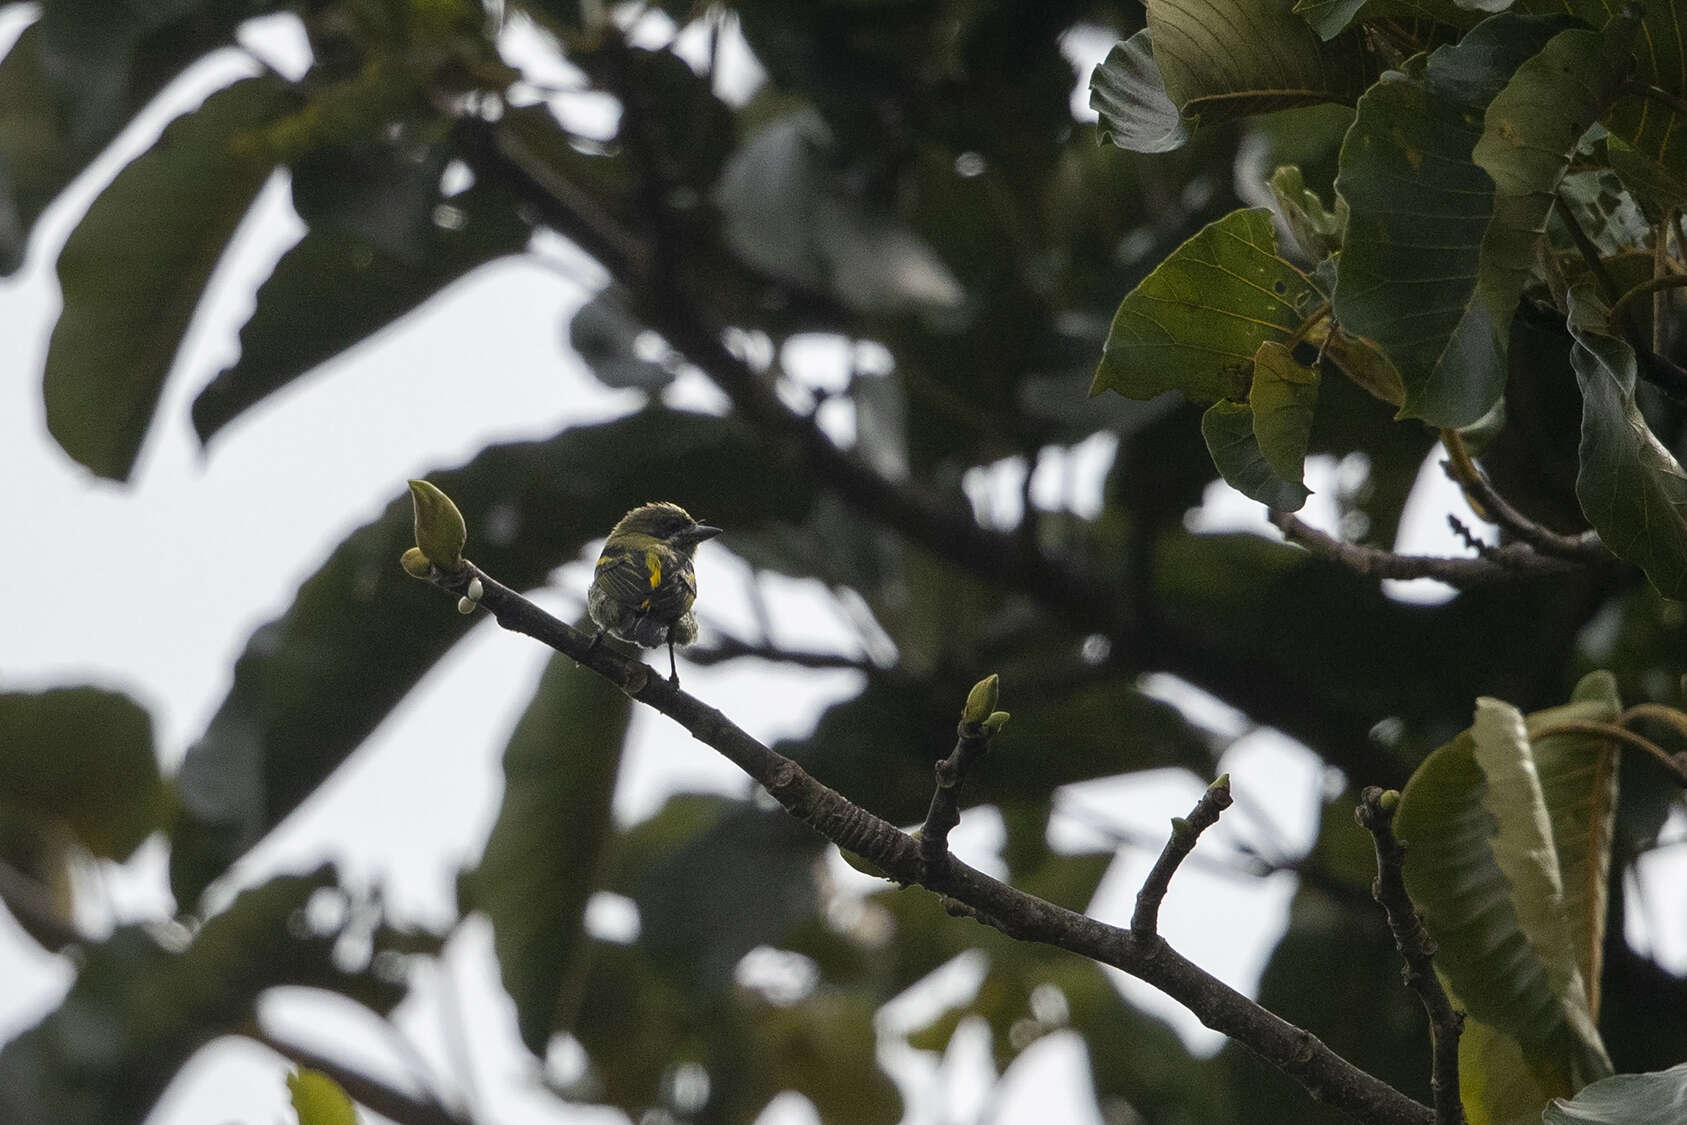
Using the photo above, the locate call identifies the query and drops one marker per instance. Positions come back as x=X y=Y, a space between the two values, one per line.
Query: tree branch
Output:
x=1375 y=815
x=497 y=151
x=1509 y=562
x=1145 y=920
x=1324 y=1074
x=972 y=739
x=1491 y=505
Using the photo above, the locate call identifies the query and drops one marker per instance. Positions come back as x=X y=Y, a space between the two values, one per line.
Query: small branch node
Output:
x=1145 y=921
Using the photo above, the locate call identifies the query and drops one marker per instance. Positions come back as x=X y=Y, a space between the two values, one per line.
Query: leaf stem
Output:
x=1674 y=766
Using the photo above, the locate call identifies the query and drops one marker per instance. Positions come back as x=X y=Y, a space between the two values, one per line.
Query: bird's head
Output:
x=669 y=523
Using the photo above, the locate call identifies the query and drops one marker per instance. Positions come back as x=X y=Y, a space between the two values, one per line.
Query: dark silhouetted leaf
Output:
x=138 y=1010
x=83 y=756
x=135 y=267
x=543 y=859
x=353 y=275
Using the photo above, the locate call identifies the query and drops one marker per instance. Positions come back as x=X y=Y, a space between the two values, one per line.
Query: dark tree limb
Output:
x=1375 y=814
x=1325 y=1075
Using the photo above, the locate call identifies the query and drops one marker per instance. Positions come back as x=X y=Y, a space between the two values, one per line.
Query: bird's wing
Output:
x=629 y=575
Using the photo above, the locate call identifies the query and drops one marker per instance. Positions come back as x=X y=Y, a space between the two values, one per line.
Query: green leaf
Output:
x=346 y=280
x=1650 y=182
x=319 y=1100
x=52 y=122
x=1283 y=396
x=86 y=757
x=1228 y=428
x=1529 y=133
x=544 y=857
x=1195 y=323
x=1508 y=836
x=133 y=271
x=1420 y=209
x=1128 y=94
x=1316 y=228
x=1631 y=487
x=1223 y=59
x=1623 y=1098
x=289 y=720
x=139 y=1010
x=1650 y=124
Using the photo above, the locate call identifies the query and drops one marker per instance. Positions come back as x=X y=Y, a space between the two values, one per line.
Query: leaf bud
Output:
x=440 y=530
x=981 y=700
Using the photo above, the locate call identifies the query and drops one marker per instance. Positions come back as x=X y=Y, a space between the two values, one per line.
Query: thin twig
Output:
x=1589 y=252
x=1145 y=919
x=1491 y=505
x=1375 y=815
x=733 y=648
x=1324 y=1074
x=1509 y=562
x=972 y=739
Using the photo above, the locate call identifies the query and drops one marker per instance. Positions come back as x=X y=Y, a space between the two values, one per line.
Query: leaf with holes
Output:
x=1194 y=324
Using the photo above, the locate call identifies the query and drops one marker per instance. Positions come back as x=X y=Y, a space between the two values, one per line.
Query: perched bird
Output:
x=644 y=585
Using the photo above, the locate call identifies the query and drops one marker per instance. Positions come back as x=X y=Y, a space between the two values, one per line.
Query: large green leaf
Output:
x=83 y=756
x=1530 y=131
x=53 y=122
x=1194 y=323
x=1631 y=487
x=1228 y=58
x=1420 y=211
x=1129 y=95
x=1228 y=428
x=133 y=271
x=312 y=685
x=1624 y=1098
x=1508 y=837
x=335 y=288
x=543 y=859
x=1648 y=117
x=139 y=1010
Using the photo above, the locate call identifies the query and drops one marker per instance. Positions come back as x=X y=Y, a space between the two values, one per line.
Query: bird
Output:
x=644 y=585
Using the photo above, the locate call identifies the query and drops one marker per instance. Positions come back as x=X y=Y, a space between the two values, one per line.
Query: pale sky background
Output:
x=153 y=588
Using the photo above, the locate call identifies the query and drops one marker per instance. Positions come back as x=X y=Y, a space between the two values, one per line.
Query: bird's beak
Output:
x=696 y=533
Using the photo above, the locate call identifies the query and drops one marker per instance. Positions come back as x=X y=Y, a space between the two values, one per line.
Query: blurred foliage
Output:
x=910 y=183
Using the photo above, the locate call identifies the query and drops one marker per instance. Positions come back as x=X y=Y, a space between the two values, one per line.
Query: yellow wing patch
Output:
x=653 y=566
